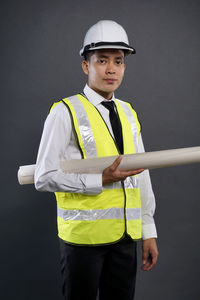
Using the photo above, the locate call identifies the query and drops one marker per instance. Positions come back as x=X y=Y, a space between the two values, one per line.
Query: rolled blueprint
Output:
x=26 y=174
x=146 y=160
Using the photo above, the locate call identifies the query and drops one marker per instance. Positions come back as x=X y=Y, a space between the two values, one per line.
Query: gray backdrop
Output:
x=40 y=41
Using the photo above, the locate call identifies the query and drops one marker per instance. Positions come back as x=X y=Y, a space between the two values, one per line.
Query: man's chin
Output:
x=110 y=89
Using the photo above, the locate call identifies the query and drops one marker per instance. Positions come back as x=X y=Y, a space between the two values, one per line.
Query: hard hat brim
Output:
x=104 y=45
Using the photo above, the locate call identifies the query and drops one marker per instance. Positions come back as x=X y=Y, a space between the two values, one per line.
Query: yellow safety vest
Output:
x=105 y=217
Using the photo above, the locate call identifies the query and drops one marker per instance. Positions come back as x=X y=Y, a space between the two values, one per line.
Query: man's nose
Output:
x=110 y=68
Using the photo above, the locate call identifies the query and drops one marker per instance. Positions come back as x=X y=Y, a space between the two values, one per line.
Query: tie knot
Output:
x=110 y=105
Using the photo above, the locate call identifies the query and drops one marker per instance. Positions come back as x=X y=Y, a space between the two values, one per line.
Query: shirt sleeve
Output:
x=54 y=142
x=147 y=200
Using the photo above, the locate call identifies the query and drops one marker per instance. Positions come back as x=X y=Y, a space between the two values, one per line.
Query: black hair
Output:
x=88 y=54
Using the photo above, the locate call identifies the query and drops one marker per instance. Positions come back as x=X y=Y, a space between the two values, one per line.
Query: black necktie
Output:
x=115 y=123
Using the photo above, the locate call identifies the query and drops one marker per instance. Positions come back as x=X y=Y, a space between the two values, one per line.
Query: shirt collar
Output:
x=93 y=96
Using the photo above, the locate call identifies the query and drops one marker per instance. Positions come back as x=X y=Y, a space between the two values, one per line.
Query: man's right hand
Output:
x=113 y=174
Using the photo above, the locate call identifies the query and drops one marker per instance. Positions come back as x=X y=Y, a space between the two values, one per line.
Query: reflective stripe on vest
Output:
x=102 y=218
x=132 y=118
x=95 y=214
x=87 y=138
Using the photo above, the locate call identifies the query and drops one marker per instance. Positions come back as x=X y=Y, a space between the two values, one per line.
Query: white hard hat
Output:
x=106 y=34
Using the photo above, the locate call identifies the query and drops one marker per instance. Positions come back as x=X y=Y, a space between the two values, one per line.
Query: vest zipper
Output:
x=124 y=206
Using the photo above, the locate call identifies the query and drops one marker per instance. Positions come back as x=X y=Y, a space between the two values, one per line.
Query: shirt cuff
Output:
x=149 y=231
x=93 y=184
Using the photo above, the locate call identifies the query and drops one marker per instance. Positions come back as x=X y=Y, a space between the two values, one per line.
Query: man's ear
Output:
x=85 y=66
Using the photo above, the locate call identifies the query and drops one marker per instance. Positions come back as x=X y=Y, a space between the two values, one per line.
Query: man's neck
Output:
x=105 y=95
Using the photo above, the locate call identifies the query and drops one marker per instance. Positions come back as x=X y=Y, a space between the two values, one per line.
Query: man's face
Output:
x=105 y=70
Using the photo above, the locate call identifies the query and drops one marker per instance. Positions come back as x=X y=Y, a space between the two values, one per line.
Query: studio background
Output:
x=40 y=64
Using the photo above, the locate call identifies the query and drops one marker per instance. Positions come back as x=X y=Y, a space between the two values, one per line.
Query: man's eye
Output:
x=102 y=61
x=118 y=62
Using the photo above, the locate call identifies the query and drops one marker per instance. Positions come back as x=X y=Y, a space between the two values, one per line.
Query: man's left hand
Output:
x=149 y=254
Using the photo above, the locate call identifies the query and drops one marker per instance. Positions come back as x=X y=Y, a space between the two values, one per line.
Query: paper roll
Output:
x=147 y=160
x=26 y=174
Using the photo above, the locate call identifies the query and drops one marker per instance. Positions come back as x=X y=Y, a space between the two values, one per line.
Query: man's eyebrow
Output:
x=105 y=56
x=102 y=56
x=119 y=57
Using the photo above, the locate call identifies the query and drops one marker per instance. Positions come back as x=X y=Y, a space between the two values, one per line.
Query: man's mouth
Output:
x=110 y=80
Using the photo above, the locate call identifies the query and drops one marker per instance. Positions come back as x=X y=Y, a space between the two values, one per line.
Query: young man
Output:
x=100 y=216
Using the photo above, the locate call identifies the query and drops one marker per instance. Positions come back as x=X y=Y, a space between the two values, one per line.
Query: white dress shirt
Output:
x=58 y=143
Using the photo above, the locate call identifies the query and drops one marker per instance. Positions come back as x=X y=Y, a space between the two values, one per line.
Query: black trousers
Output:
x=108 y=270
